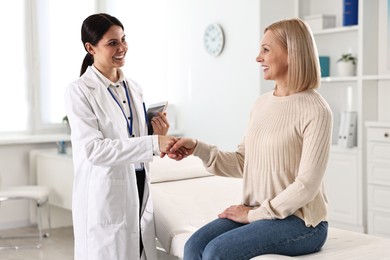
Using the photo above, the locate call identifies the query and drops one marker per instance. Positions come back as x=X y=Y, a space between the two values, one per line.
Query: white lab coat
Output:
x=105 y=198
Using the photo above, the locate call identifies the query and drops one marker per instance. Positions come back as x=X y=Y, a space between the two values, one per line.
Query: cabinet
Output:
x=378 y=178
x=366 y=93
x=54 y=170
x=344 y=190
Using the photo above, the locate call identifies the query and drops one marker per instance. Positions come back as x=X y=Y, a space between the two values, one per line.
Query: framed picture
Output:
x=384 y=37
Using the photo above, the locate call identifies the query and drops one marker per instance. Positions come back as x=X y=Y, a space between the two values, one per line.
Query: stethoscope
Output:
x=130 y=121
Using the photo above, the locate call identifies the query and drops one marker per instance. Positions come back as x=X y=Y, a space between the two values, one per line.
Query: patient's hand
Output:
x=237 y=213
x=182 y=148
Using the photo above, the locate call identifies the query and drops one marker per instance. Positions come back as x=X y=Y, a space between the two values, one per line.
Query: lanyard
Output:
x=129 y=124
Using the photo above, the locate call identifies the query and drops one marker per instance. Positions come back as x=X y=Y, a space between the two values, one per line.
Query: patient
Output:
x=282 y=159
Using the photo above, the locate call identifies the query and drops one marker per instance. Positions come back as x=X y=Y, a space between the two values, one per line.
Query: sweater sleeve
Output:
x=228 y=164
x=316 y=140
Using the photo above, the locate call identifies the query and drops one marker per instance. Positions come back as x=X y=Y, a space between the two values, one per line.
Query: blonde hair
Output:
x=303 y=61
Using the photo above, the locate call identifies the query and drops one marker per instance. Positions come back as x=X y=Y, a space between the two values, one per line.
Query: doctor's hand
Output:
x=160 y=124
x=237 y=213
x=165 y=143
x=182 y=148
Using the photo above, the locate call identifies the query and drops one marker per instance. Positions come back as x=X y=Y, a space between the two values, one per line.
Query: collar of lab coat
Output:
x=99 y=91
x=105 y=80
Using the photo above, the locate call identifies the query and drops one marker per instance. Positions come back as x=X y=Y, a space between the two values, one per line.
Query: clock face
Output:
x=213 y=39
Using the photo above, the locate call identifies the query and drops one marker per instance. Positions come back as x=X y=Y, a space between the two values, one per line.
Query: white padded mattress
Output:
x=182 y=206
x=342 y=244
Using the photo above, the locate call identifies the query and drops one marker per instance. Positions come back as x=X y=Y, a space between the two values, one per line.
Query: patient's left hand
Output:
x=237 y=213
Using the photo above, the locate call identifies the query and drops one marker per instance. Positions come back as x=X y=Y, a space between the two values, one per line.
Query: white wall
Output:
x=212 y=96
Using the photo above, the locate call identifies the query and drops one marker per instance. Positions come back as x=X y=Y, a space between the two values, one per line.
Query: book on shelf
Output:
x=347 y=136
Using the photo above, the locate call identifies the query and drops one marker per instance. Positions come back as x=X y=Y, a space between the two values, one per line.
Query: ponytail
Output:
x=88 y=61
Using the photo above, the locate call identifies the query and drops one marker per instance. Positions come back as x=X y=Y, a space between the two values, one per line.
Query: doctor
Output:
x=112 y=208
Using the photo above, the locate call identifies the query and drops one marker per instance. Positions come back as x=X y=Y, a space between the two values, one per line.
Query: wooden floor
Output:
x=59 y=246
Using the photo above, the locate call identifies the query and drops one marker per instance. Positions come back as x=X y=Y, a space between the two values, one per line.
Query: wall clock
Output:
x=213 y=39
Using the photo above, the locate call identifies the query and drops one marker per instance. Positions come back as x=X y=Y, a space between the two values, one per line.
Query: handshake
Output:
x=176 y=148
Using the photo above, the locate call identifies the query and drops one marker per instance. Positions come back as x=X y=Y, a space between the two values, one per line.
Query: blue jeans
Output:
x=226 y=239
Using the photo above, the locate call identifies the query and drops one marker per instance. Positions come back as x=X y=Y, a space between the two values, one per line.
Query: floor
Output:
x=58 y=246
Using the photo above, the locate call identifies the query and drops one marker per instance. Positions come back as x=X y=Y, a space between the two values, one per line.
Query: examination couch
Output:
x=186 y=197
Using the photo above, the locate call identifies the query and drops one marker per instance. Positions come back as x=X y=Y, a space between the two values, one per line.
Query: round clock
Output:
x=213 y=39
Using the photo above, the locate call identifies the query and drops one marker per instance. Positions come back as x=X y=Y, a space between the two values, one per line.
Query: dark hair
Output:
x=92 y=31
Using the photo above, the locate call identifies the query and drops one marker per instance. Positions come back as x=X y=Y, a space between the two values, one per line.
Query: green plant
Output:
x=347 y=57
x=65 y=121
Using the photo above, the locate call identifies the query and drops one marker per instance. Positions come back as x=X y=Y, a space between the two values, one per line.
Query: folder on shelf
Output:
x=347 y=136
x=324 y=64
x=350 y=12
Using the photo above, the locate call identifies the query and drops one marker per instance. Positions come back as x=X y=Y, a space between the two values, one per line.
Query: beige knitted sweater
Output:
x=282 y=158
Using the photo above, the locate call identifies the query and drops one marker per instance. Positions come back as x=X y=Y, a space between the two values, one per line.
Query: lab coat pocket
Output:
x=108 y=205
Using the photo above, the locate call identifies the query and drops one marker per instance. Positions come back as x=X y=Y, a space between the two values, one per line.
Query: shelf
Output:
x=337 y=30
x=338 y=79
x=377 y=124
x=376 y=77
x=31 y=139
x=354 y=78
x=338 y=149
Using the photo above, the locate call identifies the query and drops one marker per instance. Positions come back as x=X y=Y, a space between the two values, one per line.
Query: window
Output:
x=42 y=54
x=60 y=53
x=14 y=112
